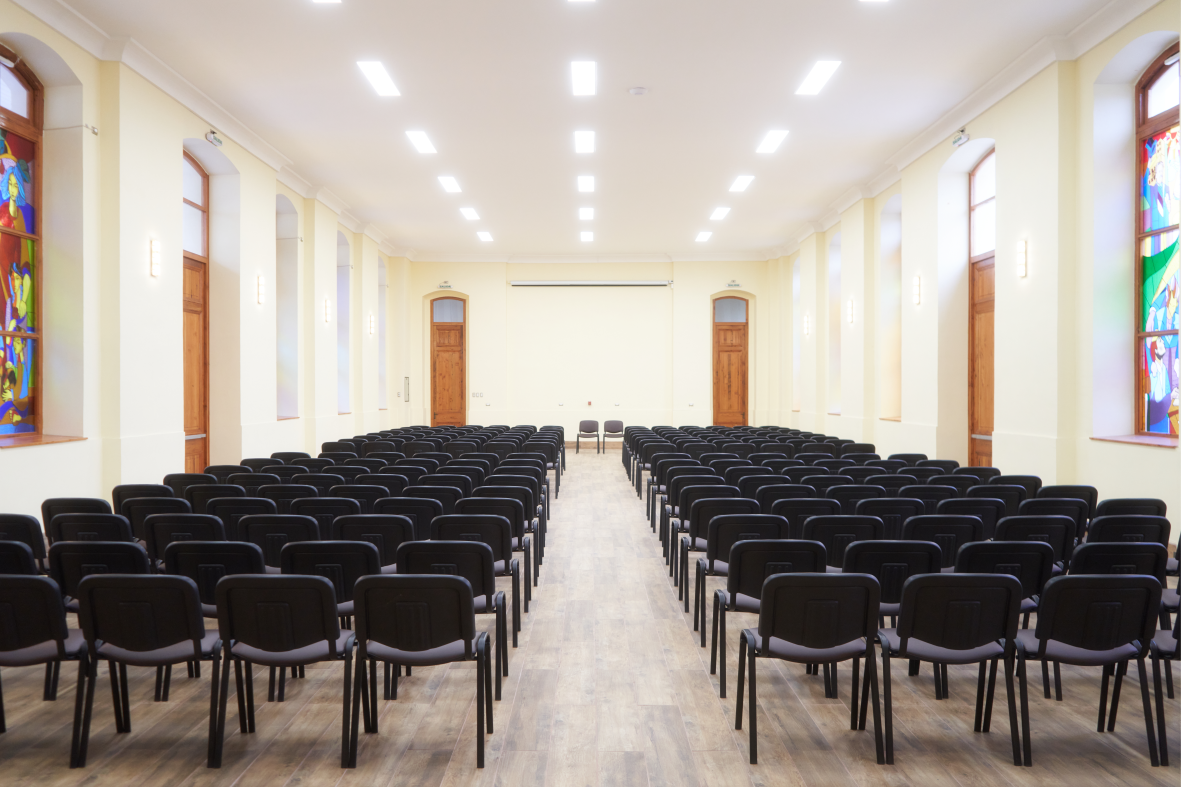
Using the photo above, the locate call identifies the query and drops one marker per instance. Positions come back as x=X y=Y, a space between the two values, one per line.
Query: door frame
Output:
x=429 y=351
x=197 y=259
x=750 y=341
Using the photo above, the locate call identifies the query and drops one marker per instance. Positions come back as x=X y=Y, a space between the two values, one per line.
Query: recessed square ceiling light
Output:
x=741 y=182
x=718 y=214
x=449 y=184
x=582 y=1
x=421 y=142
x=375 y=72
x=484 y=236
x=818 y=77
x=582 y=77
x=702 y=237
x=586 y=183
x=470 y=214
x=325 y=1
x=864 y=1
x=586 y=214
x=587 y=237
x=771 y=142
x=584 y=142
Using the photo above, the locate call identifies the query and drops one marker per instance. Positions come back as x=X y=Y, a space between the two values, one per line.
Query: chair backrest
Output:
x=447 y=496
x=1098 y=613
x=419 y=510
x=613 y=428
x=849 y=495
x=798 y=510
x=735 y=474
x=199 y=495
x=823 y=483
x=89 y=527
x=325 y=509
x=318 y=465
x=720 y=466
x=456 y=480
x=286 y=472
x=364 y=495
x=283 y=494
x=386 y=532
x=138 y=509
x=70 y=561
x=471 y=560
x=893 y=511
x=1129 y=527
x=340 y=562
x=179 y=482
x=959 y=611
x=1072 y=507
x=371 y=463
x=988 y=510
x=751 y=562
x=949 y=531
x=819 y=611
x=588 y=427
x=414 y=612
x=837 y=531
x=163 y=529
x=223 y=472
x=278 y=613
x=892 y=483
x=924 y=474
x=1077 y=491
x=961 y=483
x=378 y=446
x=1010 y=494
x=495 y=531
x=725 y=530
x=17 y=558
x=770 y=494
x=858 y=448
x=892 y=563
x=690 y=494
x=34 y=614
x=703 y=509
x=336 y=446
x=1148 y=506
x=475 y=475
x=289 y=456
x=251 y=482
x=206 y=562
x=750 y=485
x=142 y=615
x=1030 y=483
x=930 y=494
x=322 y=481
x=231 y=509
x=1121 y=558
x=25 y=529
x=834 y=466
x=1057 y=531
x=888 y=466
x=272 y=531
x=947 y=466
x=1031 y=562
x=72 y=505
x=911 y=459
x=125 y=492
x=393 y=484
x=511 y=508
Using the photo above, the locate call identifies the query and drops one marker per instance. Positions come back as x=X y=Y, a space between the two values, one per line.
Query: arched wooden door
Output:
x=448 y=367
x=730 y=361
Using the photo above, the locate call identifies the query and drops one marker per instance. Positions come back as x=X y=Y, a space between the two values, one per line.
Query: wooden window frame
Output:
x=991 y=254
x=973 y=260
x=1147 y=127
x=30 y=128
x=203 y=260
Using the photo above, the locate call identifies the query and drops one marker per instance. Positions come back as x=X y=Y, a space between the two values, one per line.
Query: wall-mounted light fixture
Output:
x=372 y=324
x=1022 y=258
x=154 y=257
x=806 y=328
x=918 y=290
x=326 y=309
x=260 y=289
x=850 y=311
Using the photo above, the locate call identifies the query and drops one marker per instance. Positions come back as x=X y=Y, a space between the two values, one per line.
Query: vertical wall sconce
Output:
x=372 y=323
x=918 y=290
x=1022 y=258
x=260 y=289
x=154 y=256
x=806 y=329
x=326 y=309
x=850 y=311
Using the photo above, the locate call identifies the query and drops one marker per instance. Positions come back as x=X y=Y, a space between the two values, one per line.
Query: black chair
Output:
x=1030 y=483
x=924 y=474
x=949 y=531
x=441 y=630
x=230 y=511
x=256 y=464
x=206 y=562
x=893 y=511
x=849 y=495
x=365 y=495
x=1130 y=527
x=988 y=510
x=834 y=466
x=271 y=532
x=768 y=496
x=72 y=505
x=283 y=494
x=1057 y=531
x=837 y=531
x=166 y=628
x=370 y=463
x=1166 y=647
x=892 y=563
x=823 y=483
x=287 y=457
x=857 y=448
x=892 y=483
x=199 y=495
x=322 y=481
x=723 y=532
x=1079 y=492
x=798 y=510
x=701 y=511
x=930 y=494
x=750 y=485
x=317 y=465
x=1092 y=621
x=496 y=532
x=287 y=473
x=985 y=474
x=223 y=472
x=687 y=494
x=750 y=564
x=90 y=527
x=588 y=429
x=961 y=483
x=26 y=530
x=512 y=509
x=17 y=559
x=947 y=466
x=1010 y=494
x=163 y=529
x=340 y=562
x=790 y=631
x=179 y=482
x=456 y=480
x=888 y=466
x=911 y=460
x=385 y=531
x=124 y=492
x=420 y=511
x=252 y=482
x=984 y=608
x=35 y=632
x=1147 y=506
x=1031 y=562
x=447 y=496
x=277 y=621
x=325 y=510
x=338 y=446
x=1072 y=507
x=394 y=485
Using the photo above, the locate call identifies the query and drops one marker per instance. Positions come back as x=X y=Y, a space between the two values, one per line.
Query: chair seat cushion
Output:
x=392 y=568
x=1169 y=599
x=209 y=610
x=1171 y=566
x=1069 y=654
x=308 y=654
x=43 y=651
x=832 y=569
x=788 y=651
x=1028 y=605
x=444 y=654
x=172 y=654
x=344 y=608
x=917 y=649
x=740 y=602
x=697 y=544
x=1165 y=644
x=274 y=570
x=721 y=567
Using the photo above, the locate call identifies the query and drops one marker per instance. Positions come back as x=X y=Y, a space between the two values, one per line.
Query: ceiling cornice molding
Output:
x=849 y=199
x=374 y=234
x=884 y=181
x=829 y=220
x=292 y=180
x=350 y=222
x=807 y=230
x=331 y=201
x=69 y=23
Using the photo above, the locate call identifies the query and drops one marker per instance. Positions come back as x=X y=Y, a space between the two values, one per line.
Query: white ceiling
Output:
x=489 y=82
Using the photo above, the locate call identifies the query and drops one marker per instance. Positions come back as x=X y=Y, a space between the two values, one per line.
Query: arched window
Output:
x=20 y=246
x=1157 y=271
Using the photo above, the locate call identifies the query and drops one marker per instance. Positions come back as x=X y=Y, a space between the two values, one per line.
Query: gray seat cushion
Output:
x=444 y=654
x=309 y=654
x=43 y=651
x=1068 y=654
x=172 y=654
x=781 y=649
x=917 y=649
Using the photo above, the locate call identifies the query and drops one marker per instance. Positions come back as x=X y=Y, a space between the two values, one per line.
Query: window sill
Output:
x=895 y=418
x=287 y=418
x=1141 y=439
x=22 y=440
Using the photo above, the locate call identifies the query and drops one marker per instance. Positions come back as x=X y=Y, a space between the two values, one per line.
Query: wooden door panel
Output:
x=196 y=365
x=981 y=332
x=448 y=386
x=730 y=374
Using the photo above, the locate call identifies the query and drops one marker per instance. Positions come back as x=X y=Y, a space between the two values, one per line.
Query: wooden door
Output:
x=196 y=367
x=448 y=378
x=730 y=362
x=982 y=296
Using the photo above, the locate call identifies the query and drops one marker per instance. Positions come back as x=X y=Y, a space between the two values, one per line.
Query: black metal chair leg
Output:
x=741 y=677
x=1120 y=671
x=1160 y=713
x=753 y=705
x=1152 y=753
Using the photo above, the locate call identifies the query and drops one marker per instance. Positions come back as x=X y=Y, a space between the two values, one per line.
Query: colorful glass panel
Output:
x=1160 y=189
x=1159 y=374
x=17 y=281
x=1159 y=288
x=16 y=183
x=17 y=385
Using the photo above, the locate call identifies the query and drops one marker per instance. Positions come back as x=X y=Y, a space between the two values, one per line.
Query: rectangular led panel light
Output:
x=702 y=237
x=470 y=214
x=421 y=142
x=771 y=142
x=587 y=236
x=584 y=142
x=586 y=214
x=582 y=77
x=484 y=236
x=718 y=214
x=375 y=72
x=586 y=183
x=818 y=77
x=741 y=182
x=449 y=184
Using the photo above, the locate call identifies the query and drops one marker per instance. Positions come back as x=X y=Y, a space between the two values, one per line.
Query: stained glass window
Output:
x=20 y=258
x=1158 y=320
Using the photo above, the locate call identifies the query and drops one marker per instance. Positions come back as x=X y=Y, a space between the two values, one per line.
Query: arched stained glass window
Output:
x=20 y=247
x=1158 y=317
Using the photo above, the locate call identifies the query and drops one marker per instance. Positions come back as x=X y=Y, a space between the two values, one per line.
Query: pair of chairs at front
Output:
x=589 y=429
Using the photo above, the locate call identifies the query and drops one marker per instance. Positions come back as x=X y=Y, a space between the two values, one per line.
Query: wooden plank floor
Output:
x=608 y=687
